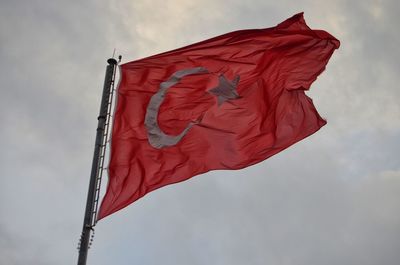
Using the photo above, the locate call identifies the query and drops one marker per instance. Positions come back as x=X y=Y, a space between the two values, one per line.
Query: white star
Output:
x=226 y=89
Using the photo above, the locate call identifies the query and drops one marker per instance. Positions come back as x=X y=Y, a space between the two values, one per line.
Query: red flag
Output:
x=225 y=103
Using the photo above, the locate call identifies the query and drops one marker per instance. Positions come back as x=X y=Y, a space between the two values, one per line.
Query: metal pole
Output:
x=88 y=221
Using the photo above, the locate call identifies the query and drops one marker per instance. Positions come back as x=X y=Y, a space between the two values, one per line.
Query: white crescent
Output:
x=157 y=138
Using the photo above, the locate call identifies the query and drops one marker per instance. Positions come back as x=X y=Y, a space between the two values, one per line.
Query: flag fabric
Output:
x=224 y=103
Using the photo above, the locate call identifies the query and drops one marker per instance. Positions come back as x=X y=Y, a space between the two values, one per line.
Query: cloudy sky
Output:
x=333 y=198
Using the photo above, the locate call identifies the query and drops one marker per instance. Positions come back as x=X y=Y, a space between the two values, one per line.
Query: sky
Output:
x=333 y=198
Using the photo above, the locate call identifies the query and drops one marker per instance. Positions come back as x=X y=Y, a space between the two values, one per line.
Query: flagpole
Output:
x=98 y=156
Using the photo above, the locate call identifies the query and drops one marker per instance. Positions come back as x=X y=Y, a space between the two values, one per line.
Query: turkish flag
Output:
x=225 y=103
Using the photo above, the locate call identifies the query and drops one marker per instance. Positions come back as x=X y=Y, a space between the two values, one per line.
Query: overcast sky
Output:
x=333 y=198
